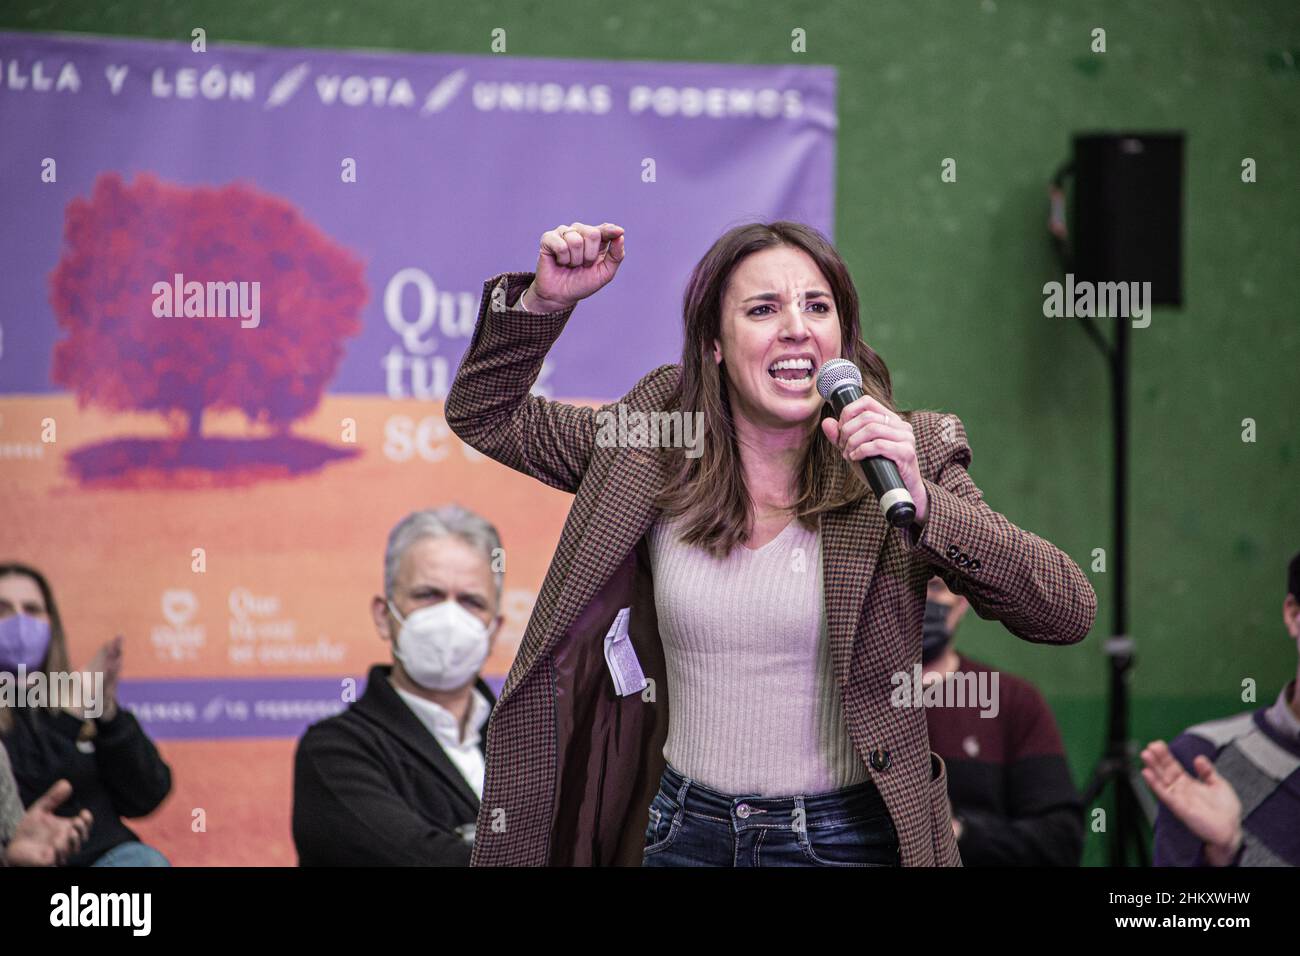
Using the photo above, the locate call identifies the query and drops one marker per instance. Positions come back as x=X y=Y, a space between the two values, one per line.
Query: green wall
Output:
x=951 y=273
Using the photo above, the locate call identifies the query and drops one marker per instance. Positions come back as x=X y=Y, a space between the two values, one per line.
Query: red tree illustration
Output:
x=126 y=237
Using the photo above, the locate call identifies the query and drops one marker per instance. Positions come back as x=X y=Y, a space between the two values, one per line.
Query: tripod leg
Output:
x=1142 y=817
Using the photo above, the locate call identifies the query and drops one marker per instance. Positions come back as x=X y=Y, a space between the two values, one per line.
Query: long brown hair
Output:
x=56 y=656
x=709 y=490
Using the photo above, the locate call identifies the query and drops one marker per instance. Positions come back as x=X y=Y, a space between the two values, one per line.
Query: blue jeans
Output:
x=691 y=825
x=131 y=853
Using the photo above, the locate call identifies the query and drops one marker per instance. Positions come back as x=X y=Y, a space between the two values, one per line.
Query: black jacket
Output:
x=373 y=787
x=119 y=774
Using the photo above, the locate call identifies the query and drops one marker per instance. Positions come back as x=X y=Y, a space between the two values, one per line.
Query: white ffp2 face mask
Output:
x=441 y=646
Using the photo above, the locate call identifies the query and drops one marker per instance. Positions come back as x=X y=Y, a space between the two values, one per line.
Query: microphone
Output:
x=840 y=383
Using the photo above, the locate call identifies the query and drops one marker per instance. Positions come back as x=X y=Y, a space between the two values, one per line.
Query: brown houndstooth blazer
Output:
x=571 y=767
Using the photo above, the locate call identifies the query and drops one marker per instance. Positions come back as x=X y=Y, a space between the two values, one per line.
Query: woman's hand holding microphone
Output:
x=574 y=261
x=866 y=427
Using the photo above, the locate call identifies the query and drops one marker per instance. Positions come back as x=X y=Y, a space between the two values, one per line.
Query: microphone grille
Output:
x=834 y=374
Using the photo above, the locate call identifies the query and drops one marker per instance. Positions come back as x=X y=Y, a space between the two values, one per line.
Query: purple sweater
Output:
x=1258 y=752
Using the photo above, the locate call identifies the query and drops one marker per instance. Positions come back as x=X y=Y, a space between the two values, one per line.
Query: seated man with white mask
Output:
x=396 y=779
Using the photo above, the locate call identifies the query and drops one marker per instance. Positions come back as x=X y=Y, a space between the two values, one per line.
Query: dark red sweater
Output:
x=1008 y=778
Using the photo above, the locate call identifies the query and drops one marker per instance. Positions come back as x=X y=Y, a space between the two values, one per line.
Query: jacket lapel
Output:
x=851 y=542
x=627 y=512
x=382 y=706
x=624 y=514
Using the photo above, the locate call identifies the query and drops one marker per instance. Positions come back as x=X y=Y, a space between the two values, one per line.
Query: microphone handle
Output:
x=882 y=474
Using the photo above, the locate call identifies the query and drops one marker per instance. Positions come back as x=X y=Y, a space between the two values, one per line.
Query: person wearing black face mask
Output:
x=936 y=630
x=1014 y=803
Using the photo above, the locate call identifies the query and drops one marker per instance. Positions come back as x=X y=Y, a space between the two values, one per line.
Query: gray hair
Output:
x=447 y=521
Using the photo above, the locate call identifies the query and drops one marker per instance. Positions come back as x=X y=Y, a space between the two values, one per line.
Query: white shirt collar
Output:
x=442 y=723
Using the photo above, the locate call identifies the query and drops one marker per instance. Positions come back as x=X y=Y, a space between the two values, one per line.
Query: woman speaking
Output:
x=710 y=675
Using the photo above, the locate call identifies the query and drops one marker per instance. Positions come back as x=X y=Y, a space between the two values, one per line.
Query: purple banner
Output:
x=238 y=282
x=427 y=173
x=223 y=709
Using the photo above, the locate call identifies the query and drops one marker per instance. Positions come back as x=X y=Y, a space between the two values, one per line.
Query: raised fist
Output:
x=574 y=261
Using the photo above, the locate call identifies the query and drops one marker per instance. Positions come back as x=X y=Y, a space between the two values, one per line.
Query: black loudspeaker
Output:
x=1127 y=215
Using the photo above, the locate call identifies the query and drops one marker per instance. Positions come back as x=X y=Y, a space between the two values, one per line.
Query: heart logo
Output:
x=178 y=606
